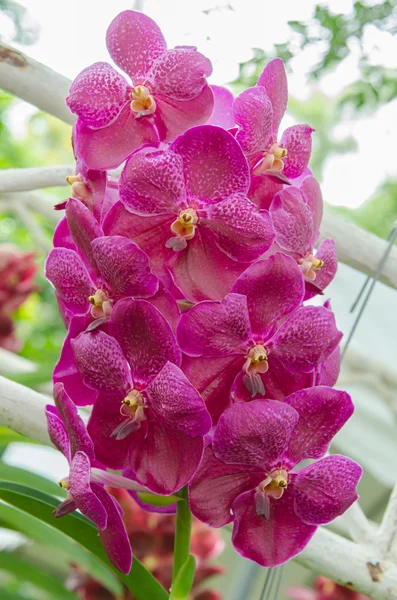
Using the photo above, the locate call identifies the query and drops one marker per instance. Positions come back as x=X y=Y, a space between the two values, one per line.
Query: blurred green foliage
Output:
x=335 y=34
x=34 y=139
x=25 y=30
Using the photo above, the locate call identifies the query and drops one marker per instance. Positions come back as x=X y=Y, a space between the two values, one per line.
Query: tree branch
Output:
x=386 y=539
x=35 y=178
x=12 y=364
x=34 y=82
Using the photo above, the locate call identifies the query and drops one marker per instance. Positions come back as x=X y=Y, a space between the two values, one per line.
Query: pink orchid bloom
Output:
x=168 y=93
x=248 y=474
x=222 y=115
x=258 y=112
x=296 y=214
x=257 y=340
x=186 y=207
x=147 y=417
x=85 y=480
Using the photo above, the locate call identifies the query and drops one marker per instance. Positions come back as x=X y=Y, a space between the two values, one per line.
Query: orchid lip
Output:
x=116 y=481
x=184 y=229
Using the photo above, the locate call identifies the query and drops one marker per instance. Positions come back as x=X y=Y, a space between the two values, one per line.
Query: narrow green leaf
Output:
x=18 y=475
x=184 y=580
x=73 y=553
x=24 y=570
x=155 y=500
x=140 y=581
x=7 y=436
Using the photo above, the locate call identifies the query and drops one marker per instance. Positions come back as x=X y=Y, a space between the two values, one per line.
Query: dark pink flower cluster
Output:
x=324 y=589
x=17 y=273
x=218 y=222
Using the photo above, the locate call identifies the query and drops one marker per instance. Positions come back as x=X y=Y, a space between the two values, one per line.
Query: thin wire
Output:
x=366 y=282
x=392 y=237
x=267 y=586
x=280 y=576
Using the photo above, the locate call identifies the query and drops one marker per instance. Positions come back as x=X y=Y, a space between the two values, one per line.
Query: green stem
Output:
x=182 y=533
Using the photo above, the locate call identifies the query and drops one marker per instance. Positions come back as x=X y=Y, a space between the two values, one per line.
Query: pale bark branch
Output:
x=386 y=539
x=35 y=178
x=41 y=203
x=12 y=364
x=34 y=82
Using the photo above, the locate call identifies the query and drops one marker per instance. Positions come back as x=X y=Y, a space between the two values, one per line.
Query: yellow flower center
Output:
x=272 y=160
x=183 y=228
x=64 y=483
x=257 y=360
x=309 y=265
x=131 y=403
x=142 y=102
x=101 y=304
x=80 y=190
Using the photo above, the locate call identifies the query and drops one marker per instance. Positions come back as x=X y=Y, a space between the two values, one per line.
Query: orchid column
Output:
x=183 y=287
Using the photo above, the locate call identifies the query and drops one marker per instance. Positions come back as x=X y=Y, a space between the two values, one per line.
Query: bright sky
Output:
x=72 y=36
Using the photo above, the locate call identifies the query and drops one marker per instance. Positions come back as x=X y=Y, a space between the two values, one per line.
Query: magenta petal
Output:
x=298 y=142
x=78 y=436
x=145 y=338
x=326 y=489
x=79 y=488
x=104 y=419
x=134 y=41
x=254 y=433
x=174 y=117
x=305 y=339
x=322 y=413
x=269 y=542
x=165 y=302
x=314 y=199
x=83 y=227
x=152 y=183
x=327 y=253
x=66 y=271
x=57 y=431
x=66 y=371
x=328 y=372
x=263 y=189
x=213 y=163
x=293 y=222
x=216 y=485
x=242 y=231
x=254 y=114
x=108 y=147
x=223 y=108
x=97 y=95
x=274 y=80
x=124 y=267
x=114 y=538
x=216 y=328
x=180 y=73
x=65 y=508
x=196 y=269
x=274 y=287
x=150 y=233
x=101 y=362
x=213 y=377
x=166 y=459
x=176 y=403
x=62 y=236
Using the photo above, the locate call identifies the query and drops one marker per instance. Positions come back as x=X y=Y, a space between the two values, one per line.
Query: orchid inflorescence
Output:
x=184 y=289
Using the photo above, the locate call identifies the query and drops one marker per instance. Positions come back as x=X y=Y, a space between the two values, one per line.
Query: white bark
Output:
x=359 y=248
x=12 y=364
x=34 y=82
x=22 y=410
x=386 y=539
x=42 y=203
x=19 y=180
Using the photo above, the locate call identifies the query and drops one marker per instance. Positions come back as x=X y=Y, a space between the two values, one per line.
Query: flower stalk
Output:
x=183 y=531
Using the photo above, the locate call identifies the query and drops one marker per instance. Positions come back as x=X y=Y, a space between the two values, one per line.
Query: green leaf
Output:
x=184 y=580
x=140 y=581
x=25 y=571
x=155 y=500
x=72 y=552
x=21 y=476
x=8 y=435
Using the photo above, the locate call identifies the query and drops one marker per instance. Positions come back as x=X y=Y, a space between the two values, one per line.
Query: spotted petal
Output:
x=305 y=339
x=124 y=267
x=326 y=489
x=101 y=362
x=298 y=142
x=327 y=253
x=84 y=229
x=97 y=95
x=180 y=73
x=274 y=288
x=134 y=41
x=78 y=436
x=254 y=433
x=254 y=114
x=293 y=222
x=274 y=80
x=145 y=338
x=57 y=431
x=213 y=164
x=176 y=403
x=84 y=497
x=223 y=108
x=269 y=542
